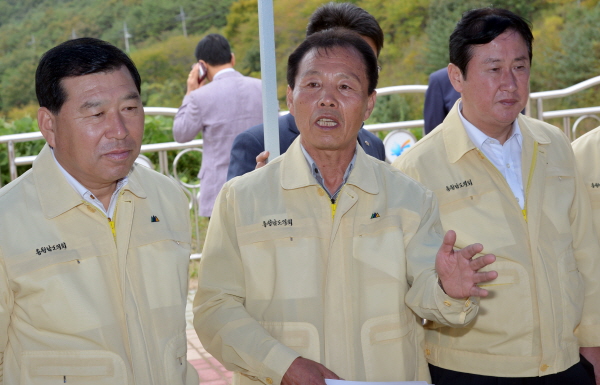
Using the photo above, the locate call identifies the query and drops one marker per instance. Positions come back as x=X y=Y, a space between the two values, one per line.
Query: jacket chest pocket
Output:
x=87 y=367
x=60 y=293
x=379 y=266
x=473 y=209
x=283 y=261
x=559 y=194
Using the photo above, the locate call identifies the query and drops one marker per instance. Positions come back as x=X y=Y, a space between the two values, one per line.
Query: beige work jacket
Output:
x=280 y=278
x=545 y=303
x=80 y=306
x=587 y=156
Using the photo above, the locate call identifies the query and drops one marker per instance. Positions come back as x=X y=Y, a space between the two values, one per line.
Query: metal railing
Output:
x=196 y=145
x=580 y=113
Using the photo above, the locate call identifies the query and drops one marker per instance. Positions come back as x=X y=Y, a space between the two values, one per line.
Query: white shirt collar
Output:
x=222 y=72
x=478 y=137
x=87 y=194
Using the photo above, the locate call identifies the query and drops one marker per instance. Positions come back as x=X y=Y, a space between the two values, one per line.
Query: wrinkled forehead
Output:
x=345 y=55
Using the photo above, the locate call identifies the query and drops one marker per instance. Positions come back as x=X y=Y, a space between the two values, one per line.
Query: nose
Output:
x=117 y=128
x=328 y=98
x=509 y=81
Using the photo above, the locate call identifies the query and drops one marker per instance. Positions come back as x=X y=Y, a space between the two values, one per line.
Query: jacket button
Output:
x=269 y=380
x=427 y=352
x=544 y=367
x=321 y=192
x=447 y=303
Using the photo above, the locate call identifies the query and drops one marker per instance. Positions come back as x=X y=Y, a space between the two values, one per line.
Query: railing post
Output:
x=11 y=161
x=163 y=162
x=540 y=109
x=567 y=127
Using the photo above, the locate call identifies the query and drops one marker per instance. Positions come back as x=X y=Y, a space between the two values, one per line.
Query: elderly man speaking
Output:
x=315 y=265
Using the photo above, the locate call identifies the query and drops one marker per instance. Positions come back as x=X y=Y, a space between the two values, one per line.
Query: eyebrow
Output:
x=95 y=103
x=341 y=74
x=492 y=60
x=132 y=95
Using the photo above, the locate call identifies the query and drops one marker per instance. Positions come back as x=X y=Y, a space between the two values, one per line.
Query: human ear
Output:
x=47 y=125
x=456 y=77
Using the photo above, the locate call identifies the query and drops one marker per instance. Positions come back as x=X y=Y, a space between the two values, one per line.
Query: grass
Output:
x=197 y=245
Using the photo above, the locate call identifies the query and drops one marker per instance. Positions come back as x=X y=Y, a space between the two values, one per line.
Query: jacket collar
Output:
x=295 y=172
x=458 y=143
x=534 y=131
x=56 y=195
x=226 y=75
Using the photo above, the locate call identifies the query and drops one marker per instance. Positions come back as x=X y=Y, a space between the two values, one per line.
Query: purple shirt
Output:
x=221 y=109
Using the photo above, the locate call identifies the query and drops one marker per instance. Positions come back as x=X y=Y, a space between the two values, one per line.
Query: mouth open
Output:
x=325 y=122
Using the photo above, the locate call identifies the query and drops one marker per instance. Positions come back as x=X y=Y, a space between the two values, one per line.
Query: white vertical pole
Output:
x=127 y=36
x=269 y=77
x=182 y=16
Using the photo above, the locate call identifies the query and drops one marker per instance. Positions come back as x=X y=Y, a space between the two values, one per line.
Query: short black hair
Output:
x=328 y=40
x=481 y=26
x=349 y=16
x=73 y=58
x=214 y=49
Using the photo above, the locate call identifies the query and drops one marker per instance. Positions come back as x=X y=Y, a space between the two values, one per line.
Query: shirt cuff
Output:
x=458 y=312
x=276 y=364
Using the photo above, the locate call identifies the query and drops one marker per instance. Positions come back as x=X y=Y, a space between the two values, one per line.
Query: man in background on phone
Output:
x=221 y=103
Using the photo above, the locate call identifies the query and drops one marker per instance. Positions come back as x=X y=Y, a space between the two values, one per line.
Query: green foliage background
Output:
x=566 y=48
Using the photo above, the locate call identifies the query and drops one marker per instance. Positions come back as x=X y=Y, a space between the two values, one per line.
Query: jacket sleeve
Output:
x=587 y=255
x=223 y=324
x=6 y=306
x=425 y=297
x=244 y=151
x=188 y=120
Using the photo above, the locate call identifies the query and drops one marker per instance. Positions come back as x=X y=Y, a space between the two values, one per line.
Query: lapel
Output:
x=55 y=194
x=456 y=140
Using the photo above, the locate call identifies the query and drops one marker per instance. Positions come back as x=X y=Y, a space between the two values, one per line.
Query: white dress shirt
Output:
x=506 y=157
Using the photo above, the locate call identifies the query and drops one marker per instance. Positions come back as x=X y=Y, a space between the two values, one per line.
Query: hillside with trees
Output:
x=566 y=50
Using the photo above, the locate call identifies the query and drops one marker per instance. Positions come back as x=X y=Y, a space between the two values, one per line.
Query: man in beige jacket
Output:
x=510 y=181
x=587 y=153
x=314 y=264
x=93 y=250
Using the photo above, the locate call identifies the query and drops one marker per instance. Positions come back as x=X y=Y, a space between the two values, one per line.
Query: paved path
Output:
x=211 y=372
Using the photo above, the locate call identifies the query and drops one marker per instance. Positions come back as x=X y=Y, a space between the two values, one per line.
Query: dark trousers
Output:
x=581 y=373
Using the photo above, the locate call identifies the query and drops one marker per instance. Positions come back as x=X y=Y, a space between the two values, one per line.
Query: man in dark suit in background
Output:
x=248 y=150
x=439 y=99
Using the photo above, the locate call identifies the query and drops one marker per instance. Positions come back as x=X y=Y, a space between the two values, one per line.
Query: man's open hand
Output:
x=458 y=271
x=306 y=372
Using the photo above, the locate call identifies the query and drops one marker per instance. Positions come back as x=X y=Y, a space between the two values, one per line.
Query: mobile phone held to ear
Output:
x=201 y=72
